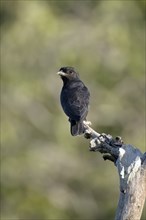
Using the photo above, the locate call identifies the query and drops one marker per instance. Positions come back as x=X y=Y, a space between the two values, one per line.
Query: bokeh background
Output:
x=46 y=173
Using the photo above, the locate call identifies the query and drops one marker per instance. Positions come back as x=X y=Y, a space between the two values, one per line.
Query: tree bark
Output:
x=131 y=167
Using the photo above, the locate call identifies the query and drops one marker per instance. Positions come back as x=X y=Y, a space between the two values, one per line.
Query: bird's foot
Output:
x=87 y=123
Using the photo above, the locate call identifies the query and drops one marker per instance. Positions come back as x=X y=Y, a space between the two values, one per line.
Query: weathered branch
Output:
x=131 y=166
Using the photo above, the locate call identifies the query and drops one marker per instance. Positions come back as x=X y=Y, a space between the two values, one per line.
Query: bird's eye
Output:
x=70 y=71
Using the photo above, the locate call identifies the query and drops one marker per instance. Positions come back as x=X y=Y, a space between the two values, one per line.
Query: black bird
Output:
x=74 y=99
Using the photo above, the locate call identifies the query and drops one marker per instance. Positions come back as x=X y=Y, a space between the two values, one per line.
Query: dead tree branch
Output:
x=131 y=166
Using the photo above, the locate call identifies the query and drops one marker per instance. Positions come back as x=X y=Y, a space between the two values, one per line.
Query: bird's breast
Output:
x=74 y=100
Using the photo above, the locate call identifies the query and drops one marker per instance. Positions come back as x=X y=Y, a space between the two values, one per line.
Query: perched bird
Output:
x=74 y=99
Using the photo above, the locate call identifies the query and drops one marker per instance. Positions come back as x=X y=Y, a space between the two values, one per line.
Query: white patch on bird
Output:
x=122 y=173
x=121 y=153
x=133 y=168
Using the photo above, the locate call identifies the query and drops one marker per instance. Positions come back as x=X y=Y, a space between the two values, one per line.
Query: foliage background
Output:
x=46 y=173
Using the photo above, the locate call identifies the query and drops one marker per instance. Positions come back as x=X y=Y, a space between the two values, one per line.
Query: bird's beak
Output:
x=61 y=73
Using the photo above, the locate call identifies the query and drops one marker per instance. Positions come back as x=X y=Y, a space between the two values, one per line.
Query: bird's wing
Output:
x=76 y=102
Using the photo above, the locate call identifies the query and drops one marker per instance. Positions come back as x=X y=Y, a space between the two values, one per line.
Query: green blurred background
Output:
x=46 y=173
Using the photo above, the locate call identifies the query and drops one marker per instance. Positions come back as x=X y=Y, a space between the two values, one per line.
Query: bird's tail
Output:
x=76 y=128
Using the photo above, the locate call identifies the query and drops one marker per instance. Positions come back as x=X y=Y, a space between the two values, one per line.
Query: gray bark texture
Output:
x=131 y=167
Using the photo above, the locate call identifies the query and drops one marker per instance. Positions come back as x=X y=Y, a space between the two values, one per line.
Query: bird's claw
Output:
x=87 y=123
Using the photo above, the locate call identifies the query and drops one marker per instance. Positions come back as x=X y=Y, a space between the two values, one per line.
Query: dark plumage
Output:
x=74 y=99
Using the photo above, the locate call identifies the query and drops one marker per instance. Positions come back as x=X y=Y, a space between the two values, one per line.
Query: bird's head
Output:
x=67 y=73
